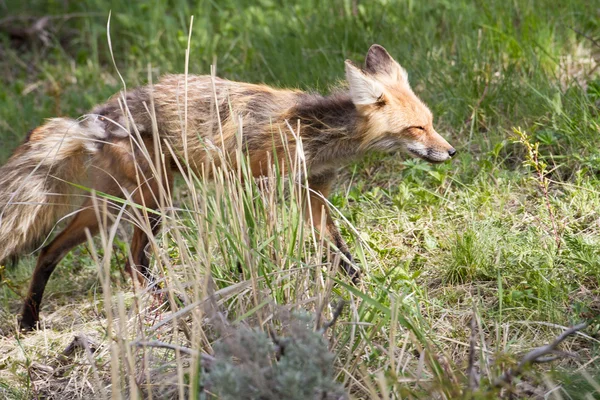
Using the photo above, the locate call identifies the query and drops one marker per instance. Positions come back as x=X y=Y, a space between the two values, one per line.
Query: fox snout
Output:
x=432 y=155
x=436 y=150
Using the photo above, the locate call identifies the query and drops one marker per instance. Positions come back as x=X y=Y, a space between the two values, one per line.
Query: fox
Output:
x=107 y=149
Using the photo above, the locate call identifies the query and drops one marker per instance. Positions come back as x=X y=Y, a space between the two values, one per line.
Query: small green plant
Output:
x=540 y=167
x=469 y=258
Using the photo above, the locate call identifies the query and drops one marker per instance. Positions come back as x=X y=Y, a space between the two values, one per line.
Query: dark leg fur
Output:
x=50 y=256
x=318 y=207
x=138 y=265
x=347 y=265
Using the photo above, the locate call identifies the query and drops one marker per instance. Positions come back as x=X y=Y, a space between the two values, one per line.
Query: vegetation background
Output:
x=508 y=233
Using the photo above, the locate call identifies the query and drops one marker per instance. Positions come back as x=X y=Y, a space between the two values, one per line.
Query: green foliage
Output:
x=510 y=226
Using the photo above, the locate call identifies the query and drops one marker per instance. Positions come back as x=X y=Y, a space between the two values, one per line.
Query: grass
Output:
x=510 y=228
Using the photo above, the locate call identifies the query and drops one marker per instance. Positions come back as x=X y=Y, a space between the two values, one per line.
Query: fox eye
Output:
x=421 y=128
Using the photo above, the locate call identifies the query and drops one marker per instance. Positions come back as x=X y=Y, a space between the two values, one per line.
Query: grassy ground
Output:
x=509 y=229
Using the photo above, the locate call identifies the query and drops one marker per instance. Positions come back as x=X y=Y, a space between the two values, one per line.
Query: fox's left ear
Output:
x=364 y=90
x=379 y=62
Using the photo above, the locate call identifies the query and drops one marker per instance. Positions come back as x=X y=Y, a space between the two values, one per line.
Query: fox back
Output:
x=131 y=146
x=201 y=116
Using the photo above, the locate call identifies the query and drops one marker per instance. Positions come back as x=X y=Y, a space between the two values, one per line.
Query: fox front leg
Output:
x=321 y=219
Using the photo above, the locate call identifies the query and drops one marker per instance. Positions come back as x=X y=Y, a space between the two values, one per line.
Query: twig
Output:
x=591 y=39
x=80 y=341
x=280 y=343
x=471 y=370
x=559 y=354
x=537 y=356
x=164 y=345
x=594 y=42
x=205 y=359
x=355 y=8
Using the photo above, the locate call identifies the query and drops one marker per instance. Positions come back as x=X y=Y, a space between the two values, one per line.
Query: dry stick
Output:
x=594 y=42
x=205 y=359
x=538 y=356
x=591 y=39
x=471 y=371
x=81 y=341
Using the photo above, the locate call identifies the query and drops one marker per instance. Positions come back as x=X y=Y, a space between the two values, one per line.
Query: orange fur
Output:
x=112 y=150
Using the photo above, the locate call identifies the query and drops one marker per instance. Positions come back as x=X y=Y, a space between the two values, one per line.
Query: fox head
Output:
x=391 y=116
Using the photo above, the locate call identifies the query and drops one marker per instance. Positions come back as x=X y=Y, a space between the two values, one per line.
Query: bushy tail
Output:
x=35 y=189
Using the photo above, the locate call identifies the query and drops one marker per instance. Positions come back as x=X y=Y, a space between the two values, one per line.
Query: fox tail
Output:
x=35 y=183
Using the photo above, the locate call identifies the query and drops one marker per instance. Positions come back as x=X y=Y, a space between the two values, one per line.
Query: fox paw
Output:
x=27 y=323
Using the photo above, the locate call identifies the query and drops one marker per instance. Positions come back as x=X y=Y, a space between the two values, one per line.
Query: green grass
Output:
x=434 y=241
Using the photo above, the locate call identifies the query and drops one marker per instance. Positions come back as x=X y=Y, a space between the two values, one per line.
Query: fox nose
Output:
x=451 y=152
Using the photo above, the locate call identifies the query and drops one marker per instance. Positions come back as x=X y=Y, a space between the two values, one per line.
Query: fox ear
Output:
x=363 y=89
x=379 y=62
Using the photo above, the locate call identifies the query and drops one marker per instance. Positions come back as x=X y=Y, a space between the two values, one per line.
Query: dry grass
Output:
x=434 y=243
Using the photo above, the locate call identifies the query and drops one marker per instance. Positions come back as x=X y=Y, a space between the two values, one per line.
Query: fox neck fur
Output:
x=269 y=121
x=131 y=146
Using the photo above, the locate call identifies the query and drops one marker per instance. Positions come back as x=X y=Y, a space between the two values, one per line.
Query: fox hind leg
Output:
x=73 y=235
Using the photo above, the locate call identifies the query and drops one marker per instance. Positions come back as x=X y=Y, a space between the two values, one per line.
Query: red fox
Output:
x=108 y=149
